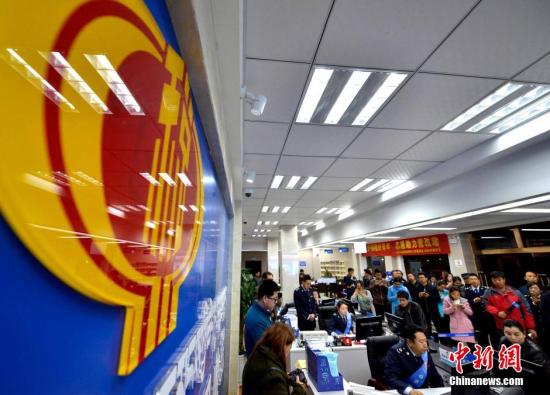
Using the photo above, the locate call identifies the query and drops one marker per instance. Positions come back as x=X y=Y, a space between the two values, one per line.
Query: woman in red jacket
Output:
x=507 y=303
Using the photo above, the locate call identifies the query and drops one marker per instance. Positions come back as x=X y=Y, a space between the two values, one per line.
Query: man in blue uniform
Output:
x=305 y=305
x=483 y=322
x=409 y=366
x=258 y=316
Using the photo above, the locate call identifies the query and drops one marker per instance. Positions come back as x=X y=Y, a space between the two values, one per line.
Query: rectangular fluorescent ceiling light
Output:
x=285 y=209
x=292 y=183
x=332 y=210
x=346 y=214
x=265 y=209
x=319 y=225
x=493 y=237
x=536 y=230
x=255 y=230
x=352 y=87
x=275 y=222
x=183 y=208
x=315 y=89
x=528 y=210
x=267 y=222
x=276 y=182
x=428 y=228
x=343 y=209
x=259 y=222
x=392 y=82
x=528 y=113
x=478 y=108
x=390 y=185
x=308 y=182
x=361 y=184
x=521 y=101
x=377 y=184
x=302 y=223
x=320 y=211
x=303 y=232
x=275 y=209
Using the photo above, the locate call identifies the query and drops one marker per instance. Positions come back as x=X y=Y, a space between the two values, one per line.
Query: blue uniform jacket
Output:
x=304 y=303
x=256 y=322
x=401 y=363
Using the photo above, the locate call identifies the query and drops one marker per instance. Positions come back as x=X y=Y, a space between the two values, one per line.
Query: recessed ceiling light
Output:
x=193 y=207
x=269 y=230
x=399 y=190
x=259 y=222
x=391 y=83
x=478 y=108
x=276 y=182
x=353 y=85
x=321 y=210
x=346 y=214
x=275 y=222
x=536 y=230
x=493 y=237
x=332 y=210
x=361 y=184
x=304 y=232
x=428 y=228
x=376 y=185
x=530 y=112
x=528 y=210
x=262 y=230
x=116 y=212
x=390 y=185
x=183 y=208
x=319 y=225
x=292 y=183
x=308 y=182
x=267 y=222
x=343 y=209
x=521 y=101
x=275 y=209
x=285 y=209
x=265 y=209
x=317 y=85
x=255 y=230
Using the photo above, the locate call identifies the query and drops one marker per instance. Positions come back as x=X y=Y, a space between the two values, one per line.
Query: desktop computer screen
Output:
x=368 y=326
x=395 y=323
x=328 y=302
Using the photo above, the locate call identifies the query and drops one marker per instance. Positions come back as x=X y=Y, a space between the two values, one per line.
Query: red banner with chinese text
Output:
x=425 y=245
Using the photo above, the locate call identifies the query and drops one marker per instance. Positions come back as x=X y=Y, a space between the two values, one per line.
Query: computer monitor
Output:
x=395 y=323
x=328 y=302
x=368 y=326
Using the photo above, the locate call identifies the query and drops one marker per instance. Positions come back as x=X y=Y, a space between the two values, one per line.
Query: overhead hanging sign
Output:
x=343 y=249
x=425 y=245
x=328 y=251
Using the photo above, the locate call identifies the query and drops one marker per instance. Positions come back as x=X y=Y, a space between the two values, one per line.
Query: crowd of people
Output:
x=448 y=309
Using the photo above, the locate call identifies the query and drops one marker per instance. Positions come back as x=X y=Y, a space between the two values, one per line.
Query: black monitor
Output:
x=328 y=302
x=395 y=323
x=325 y=317
x=368 y=326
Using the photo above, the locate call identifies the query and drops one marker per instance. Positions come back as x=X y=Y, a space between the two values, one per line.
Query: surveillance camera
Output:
x=248 y=193
x=259 y=105
x=245 y=222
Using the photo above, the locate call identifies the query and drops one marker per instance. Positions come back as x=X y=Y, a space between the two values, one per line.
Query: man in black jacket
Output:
x=305 y=305
x=428 y=299
x=410 y=311
x=409 y=366
x=413 y=286
x=483 y=322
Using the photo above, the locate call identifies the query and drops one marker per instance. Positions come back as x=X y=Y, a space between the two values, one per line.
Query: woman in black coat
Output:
x=265 y=371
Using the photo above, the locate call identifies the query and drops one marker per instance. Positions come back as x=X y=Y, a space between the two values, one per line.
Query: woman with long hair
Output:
x=459 y=311
x=363 y=297
x=265 y=371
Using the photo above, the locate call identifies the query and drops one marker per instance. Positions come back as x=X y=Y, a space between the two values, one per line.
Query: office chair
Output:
x=377 y=348
x=325 y=317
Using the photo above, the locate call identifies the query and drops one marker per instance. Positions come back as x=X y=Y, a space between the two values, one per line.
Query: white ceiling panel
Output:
x=394 y=34
x=383 y=143
x=261 y=164
x=280 y=82
x=318 y=140
x=335 y=183
x=320 y=196
x=260 y=181
x=354 y=167
x=429 y=101
x=302 y=21
x=539 y=72
x=352 y=198
x=403 y=170
x=300 y=212
x=252 y=203
x=287 y=195
x=264 y=137
x=442 y=146
x=303 y=165
x=499 y=38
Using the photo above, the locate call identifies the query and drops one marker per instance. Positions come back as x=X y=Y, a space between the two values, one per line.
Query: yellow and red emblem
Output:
x=102 y=174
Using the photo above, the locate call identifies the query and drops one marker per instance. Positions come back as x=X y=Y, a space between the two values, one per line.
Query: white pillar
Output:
x=395 y=263
x=461 y=258
x=288 y=258
x=273 y=258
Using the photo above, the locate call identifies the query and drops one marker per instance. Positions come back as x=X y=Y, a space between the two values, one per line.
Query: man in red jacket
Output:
x=507 y=303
